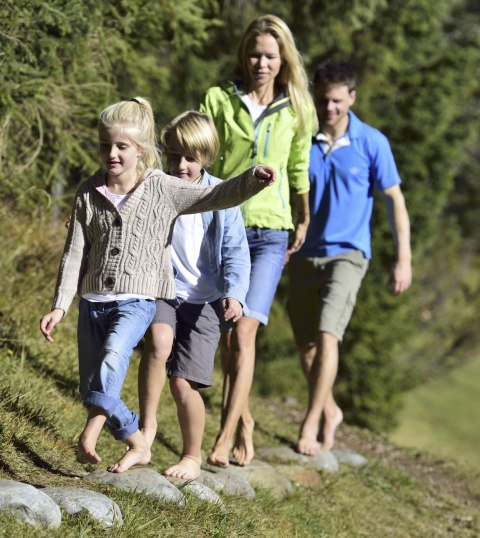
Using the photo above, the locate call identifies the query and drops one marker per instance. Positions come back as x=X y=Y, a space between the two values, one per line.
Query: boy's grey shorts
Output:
x=197 y=331
x=322 y=294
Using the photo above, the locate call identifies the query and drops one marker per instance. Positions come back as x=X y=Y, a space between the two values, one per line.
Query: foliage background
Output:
x=61 y=62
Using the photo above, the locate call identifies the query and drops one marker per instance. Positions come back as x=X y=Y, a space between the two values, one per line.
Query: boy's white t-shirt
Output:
x=255 y=109
x=118 y=200
x=194 y=280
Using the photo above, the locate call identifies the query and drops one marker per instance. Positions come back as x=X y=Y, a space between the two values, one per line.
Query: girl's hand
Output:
x=265 y=174
x=48 y=322
x=232 y=309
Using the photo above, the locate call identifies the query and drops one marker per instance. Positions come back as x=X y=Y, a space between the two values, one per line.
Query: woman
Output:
x=265 y=115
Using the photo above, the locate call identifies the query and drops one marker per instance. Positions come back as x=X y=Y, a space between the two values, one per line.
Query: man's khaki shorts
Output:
x=322 y=294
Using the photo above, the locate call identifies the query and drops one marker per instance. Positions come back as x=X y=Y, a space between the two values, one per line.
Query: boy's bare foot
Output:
x=86 y=453
x=149 y=433
x=220 y=454
x=331 y=420
x=138 y=453
x=243 y=450
x=307 y=443
x=187 y=468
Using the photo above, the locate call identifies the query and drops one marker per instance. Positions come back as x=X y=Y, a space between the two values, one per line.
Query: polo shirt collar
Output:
x=354 y=126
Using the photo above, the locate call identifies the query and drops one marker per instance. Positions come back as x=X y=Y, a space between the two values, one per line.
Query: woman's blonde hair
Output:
x=292 y=75
x=196 y=134
x=135 y=117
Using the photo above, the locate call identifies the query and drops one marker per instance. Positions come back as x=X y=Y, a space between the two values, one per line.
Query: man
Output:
x=348 y=159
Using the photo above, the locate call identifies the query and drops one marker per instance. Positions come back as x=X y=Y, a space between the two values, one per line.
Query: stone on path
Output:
x=141 y=480
x=99 y=506
x=222 y=481
x=197 y=489
x=259 y=474
x=299 y=475
x=29 y=504
x=324 y=461
x=349 y=458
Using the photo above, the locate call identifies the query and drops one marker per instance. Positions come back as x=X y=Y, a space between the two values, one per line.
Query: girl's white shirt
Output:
x=194 y=280
x=118 y=200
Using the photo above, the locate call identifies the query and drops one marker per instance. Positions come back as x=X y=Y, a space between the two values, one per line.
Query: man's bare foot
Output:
x=331 y=421
x=86 y=452
x=220 y=453
x=307 y=442
x=243 y=450
x=138 y=453
x=187 y=468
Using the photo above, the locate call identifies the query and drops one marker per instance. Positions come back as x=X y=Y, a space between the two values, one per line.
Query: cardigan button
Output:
x=117 y=221
x=114 y=251
x=109 y=281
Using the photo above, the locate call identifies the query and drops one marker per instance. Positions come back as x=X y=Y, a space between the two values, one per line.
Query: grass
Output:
x=41 y=416
x=442 y=416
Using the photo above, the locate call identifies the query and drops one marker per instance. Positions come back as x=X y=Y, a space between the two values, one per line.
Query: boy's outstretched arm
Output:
x=48 y=322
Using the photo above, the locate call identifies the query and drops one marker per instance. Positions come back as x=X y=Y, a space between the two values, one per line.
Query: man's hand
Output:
x=265 y=174
x=232 y=309
x=401 y=277
x=297 y=240
x=48 y=322
x=301 y=217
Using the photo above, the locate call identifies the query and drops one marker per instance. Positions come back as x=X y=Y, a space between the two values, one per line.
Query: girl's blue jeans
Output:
x=107 y=334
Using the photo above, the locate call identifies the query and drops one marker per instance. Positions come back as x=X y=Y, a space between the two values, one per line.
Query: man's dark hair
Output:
x=333 y=72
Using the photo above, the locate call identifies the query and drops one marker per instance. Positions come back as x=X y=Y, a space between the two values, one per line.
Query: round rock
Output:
x=99 y=506
x=141 y=480
x=29 y=504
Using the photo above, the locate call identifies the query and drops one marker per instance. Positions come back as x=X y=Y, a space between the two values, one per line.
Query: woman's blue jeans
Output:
x=107 y=334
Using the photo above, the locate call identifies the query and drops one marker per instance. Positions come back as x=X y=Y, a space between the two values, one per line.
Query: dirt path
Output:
x=443 y=475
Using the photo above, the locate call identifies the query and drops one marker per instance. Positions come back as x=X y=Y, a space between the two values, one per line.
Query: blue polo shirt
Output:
x=341 y=189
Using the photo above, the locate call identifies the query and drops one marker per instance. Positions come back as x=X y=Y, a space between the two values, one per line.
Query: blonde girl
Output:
x=117 y=258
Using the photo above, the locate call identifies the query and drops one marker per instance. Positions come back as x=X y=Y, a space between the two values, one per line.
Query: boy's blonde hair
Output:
x=196 y=134
x=135 y=117
x=292 y=75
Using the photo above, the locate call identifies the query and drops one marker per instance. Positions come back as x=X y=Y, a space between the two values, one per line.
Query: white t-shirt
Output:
x=255 y=109
x=194 y=280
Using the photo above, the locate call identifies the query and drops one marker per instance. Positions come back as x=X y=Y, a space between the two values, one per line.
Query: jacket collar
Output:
x=281 y=101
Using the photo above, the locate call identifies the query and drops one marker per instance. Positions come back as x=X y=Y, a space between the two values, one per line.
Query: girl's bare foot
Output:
x=243 y=450
x=220 y=453
x=331 y=420
x=138 y=453
x=187 y=468
x=86 y=452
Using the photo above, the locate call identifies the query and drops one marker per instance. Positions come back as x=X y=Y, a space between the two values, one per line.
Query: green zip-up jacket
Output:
x=274 y=139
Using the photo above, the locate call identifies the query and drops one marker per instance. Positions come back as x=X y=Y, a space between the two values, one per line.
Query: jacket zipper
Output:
x=279 y=187
x=267 y=140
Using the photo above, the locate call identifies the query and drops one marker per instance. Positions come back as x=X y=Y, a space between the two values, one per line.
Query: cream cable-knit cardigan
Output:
x=129 y=251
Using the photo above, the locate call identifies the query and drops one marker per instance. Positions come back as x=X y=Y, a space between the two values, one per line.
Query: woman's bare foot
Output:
x=307 y=442
x=86 y=452
x=243 y=450
x=187 y=468
x=220 y=453
x=331 y=420
x=138 y=453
